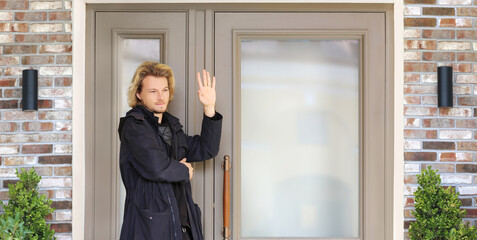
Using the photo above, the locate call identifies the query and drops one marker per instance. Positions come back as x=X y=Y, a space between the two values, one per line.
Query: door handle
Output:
x=226 y=166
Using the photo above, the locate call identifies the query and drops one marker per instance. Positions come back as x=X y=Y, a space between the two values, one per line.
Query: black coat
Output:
x=148 y=169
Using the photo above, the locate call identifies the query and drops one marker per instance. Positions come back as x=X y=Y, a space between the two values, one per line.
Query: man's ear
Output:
x=138 y=96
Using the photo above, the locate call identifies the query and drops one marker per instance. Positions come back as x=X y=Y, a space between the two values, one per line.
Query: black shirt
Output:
x=179 y=192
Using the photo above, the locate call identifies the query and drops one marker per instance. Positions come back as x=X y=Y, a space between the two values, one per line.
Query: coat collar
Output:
x=153 y=120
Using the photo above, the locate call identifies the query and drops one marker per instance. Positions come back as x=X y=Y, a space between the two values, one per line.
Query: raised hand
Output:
x=206 y=93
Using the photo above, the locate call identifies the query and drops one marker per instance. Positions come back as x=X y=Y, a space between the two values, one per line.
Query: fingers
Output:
x=183 y=160
x=199 y=81
x=204 y=74
x=205 y=80
x=208 y=79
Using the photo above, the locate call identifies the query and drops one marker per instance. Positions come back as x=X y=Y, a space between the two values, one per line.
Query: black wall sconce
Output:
x=444 y=87
x=30 y=90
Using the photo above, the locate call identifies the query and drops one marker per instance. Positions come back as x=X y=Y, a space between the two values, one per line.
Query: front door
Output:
x=302 y=92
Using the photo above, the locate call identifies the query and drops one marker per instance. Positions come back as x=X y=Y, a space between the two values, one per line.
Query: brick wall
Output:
x=440 y=33
x=37 y=34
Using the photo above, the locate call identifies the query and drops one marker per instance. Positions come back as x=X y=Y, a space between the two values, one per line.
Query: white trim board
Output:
x=79 y=67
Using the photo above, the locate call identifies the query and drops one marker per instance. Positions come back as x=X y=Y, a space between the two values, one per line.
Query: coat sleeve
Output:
x=148 y=158
x=206 y=145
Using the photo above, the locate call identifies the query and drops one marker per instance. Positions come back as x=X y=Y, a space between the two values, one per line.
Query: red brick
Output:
x=42 y=103
x=461 y=67
x=8 y=126
x=42 y=82
x=407 y=223
x=467 y=56
x=438 y=34
x=467 y=11
x=467 y=34
x=13 y=27
x=14 y=5
x=19 y=49
x=30 y=149
x=471 y=213
x=467 y=101
x=466 y=123
x=466 y=168
x=467 y=146
x=61 y=204
x=429 y=100
x=408 y=214
x=463 y=22
x=60 y=16
x=420 y=44
x=4 y=61
x=63 y=59
x=8 y=104
x=12 y=93
x=30 y=16
x=447 y=22
x=62 y=82
x=420 y=67
x=61 y=227
x=420 y=111
x=412 y=100
x=419 y=22
x=410 y=179
x=55 y=159
x=438 y=11
x=420 y=134
x=63 y=171
x=439 y=145
x=411 y=78
x=441 y=167
x=419 y=1
x=37 y=126
x=60 y=38
x=37 y=60
x=438 y=56
x=7 y=82
x=33 y=38
x=462 y=90
x=7 y=182
x=420 y=89
x=455 y=112
x=447 y=156
x=420 y=156
x=409 y=202
x=55 y=49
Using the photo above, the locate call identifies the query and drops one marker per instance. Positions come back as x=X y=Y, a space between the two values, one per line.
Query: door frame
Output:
x=82 y=87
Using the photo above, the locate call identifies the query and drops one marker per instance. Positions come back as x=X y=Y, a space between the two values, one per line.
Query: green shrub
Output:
x=437 y=211
x=12 y=228
x=30 y=205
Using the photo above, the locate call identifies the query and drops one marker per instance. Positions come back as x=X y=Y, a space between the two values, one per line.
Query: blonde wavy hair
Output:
x=145 y=69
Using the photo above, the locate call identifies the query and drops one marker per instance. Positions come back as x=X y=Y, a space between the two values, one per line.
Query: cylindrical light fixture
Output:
x=30 y=90
x=444 y=87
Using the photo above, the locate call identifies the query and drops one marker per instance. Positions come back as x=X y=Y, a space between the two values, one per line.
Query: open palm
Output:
x=206 y=91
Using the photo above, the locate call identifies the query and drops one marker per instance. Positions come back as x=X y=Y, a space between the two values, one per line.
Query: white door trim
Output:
x=79 y=121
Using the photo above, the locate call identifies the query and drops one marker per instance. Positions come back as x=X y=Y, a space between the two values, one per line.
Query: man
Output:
x=155 y=155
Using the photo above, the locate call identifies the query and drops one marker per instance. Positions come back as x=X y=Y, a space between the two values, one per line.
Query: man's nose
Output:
x=160 y=95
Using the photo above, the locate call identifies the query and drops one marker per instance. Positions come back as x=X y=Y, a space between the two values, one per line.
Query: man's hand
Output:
x=206 y=93
x=189 y=166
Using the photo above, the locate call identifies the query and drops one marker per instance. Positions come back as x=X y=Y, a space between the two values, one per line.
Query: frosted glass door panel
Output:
x=133 y=52
x=300 y=138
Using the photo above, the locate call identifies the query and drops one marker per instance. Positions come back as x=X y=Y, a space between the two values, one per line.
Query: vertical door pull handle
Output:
x=226 y=166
